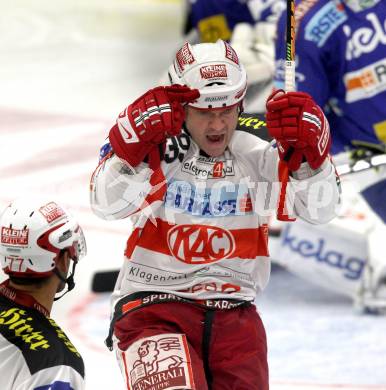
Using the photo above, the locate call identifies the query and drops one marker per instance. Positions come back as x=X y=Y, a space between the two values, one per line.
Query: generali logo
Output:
x=200 y=244
x=160 y=362
x=14 y=236
x=213 y=71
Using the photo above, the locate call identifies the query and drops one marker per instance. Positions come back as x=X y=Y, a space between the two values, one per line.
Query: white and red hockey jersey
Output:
x=200 y=224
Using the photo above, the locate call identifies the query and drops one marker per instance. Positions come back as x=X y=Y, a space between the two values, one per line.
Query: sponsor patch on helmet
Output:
x=12 y=236
x=51 y=211
x=231 y=54
x=214 y=71
x=184 y=57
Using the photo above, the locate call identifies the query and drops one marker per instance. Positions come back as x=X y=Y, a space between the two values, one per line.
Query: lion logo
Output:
x=149 y=351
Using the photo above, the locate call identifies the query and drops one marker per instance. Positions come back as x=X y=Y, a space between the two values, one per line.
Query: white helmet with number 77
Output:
x=34 y=234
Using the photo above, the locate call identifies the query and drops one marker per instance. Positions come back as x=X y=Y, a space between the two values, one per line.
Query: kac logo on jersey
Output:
x=200 y=244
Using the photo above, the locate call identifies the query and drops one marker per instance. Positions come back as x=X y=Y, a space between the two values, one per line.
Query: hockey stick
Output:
x=289 y=75
x=289 y=82
x=289 y=86
x=365 y=157
x=362 y=165
x=289 y=71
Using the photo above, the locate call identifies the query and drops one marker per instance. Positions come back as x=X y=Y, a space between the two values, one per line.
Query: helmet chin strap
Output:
x=69 y=280
x=241 y=107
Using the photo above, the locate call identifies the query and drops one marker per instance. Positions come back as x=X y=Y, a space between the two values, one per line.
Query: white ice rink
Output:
x=67 y=68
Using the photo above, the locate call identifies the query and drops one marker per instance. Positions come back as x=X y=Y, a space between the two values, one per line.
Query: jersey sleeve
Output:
x=315 y=196
x=118 y=190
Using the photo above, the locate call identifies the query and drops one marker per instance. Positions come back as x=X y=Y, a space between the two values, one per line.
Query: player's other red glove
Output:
x=300 y=128
x=147 y=122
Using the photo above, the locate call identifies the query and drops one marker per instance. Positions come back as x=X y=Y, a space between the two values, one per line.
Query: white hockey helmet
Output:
x=33 y=233
x=212 y=68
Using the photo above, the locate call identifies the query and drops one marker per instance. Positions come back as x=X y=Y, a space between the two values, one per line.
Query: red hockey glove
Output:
x=300 y=128
x=147 y=122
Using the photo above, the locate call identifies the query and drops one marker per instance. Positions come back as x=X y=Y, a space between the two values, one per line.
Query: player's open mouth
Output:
x=218 y=138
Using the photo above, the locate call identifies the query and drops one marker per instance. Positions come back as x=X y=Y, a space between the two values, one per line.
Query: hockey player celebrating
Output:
x=197 y=189
x=39 y=241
